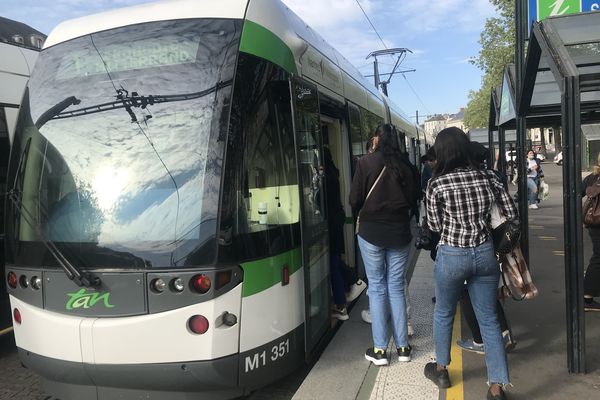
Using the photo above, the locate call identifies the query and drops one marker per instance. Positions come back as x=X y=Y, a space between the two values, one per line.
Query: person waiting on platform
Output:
x=380 y=193
x=459 y=197
x=534 y=177
x=480 y=154
x=591 y=282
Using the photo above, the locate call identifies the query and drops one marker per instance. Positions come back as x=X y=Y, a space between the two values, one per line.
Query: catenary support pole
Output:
x=521 y=34
x=572 y=151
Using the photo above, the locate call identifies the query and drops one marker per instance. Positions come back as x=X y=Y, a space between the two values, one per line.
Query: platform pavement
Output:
x=342 y=371
x=538 y=365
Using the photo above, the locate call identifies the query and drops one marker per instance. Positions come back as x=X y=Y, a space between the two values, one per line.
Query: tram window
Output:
x=111 y=190
x=260 y=204
x=370 y=122
x=356 y=137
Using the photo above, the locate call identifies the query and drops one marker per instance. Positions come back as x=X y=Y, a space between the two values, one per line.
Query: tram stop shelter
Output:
x=561 y=87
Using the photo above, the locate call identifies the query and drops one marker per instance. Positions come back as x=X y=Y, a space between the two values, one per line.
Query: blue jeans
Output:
x=479 y=268
x=386 y=270
x=532 y=191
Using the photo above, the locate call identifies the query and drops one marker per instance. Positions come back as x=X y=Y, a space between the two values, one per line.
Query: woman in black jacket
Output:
x=384 y=237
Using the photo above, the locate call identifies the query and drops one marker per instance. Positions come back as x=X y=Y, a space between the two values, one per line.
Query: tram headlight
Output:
x=198 y=324
x=12 y=280
x=36 y=282
x=158 y=285
x=201 y=283
x=24 y=282
x=178 y=285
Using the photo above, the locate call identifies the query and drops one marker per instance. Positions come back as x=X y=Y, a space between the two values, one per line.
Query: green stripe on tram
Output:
x=263 y=274
x=263 y=43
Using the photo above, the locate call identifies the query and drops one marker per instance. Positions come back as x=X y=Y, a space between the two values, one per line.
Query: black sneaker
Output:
x=377 y=358
x=440 y=378
x=591 y=306
x=404 y=353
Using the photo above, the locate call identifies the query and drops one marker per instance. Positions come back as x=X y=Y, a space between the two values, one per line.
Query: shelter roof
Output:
x=560 y=47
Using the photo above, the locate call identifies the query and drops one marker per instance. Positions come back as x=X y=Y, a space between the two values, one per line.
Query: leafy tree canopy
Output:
x=497 y=49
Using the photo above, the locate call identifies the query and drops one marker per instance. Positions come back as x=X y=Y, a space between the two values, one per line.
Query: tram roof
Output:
x=293 y=44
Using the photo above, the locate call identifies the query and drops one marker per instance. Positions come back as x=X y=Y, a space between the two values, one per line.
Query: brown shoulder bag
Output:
x=591 y=207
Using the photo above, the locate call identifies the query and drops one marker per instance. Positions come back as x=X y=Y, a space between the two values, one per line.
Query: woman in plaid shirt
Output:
x=459 y=199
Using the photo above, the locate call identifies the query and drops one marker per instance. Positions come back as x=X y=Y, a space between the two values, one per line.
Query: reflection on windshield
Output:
x=138 y=173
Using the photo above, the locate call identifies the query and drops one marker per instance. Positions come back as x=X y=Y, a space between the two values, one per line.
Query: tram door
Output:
x=315 y=241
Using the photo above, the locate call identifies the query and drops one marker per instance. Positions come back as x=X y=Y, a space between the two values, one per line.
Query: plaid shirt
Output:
x=459 y=203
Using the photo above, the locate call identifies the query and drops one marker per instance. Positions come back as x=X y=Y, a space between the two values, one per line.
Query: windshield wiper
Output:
x=72 y=272
x=124 y=100
x=56 y=110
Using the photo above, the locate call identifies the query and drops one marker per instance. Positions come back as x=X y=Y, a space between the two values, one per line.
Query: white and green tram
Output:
x=163 y=238
x=16 y=62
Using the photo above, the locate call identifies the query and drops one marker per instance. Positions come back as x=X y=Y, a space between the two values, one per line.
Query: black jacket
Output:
x=388 y=202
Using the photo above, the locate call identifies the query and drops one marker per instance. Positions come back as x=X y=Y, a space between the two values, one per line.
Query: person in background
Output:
x=428 y=162
x=534 y=176
x=384 y=237
x=459 y=197
x=591 y=282
x=335 y=221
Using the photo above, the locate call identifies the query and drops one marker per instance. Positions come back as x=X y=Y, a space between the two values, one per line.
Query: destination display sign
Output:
x=127 y=56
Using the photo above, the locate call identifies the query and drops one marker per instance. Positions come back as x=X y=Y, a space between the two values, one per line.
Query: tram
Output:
x=163 y=238
x=16 y=63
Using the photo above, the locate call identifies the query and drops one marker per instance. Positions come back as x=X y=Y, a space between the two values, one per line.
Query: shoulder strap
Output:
x=374 y=184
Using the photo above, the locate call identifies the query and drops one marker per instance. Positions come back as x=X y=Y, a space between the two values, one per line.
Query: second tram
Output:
x=16 y=62
x=164 y=239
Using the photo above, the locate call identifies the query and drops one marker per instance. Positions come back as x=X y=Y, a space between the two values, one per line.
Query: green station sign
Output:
x=542 y=9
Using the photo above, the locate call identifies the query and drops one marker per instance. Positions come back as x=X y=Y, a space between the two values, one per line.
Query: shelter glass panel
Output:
x=582 y=28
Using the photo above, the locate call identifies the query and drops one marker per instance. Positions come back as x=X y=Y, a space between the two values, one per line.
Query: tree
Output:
x=497 y=49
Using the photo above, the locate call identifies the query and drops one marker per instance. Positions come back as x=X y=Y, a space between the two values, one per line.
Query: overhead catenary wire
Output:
x=385 y=46
x=371 y=23
x=416 y=94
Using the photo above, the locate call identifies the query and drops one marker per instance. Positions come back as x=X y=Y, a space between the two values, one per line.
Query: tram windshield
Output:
x=119 y=147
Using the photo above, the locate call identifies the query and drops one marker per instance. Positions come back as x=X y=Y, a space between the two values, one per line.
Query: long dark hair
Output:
x=452 y=150
x=390 y=149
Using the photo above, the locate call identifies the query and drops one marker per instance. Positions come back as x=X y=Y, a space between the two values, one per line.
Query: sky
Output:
x=442 y=35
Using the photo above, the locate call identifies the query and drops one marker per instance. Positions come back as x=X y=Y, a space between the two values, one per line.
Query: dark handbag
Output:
x=426 y=239
x=506 y=237
x=505 y=233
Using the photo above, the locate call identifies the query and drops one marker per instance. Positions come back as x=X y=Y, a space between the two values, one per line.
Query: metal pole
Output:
x=418 y=137
x=384 y=88
x=491 y=143
x=571 y=122
x=521 y=34
x=376 y=72
x=502 y=151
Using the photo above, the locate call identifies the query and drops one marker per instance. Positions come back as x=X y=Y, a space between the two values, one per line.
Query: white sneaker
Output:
x=533 y=206
x=355 y=290
x=366 y=315
x=410 y=329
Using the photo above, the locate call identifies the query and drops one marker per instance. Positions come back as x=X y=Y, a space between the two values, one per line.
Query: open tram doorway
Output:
x=335 y=138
